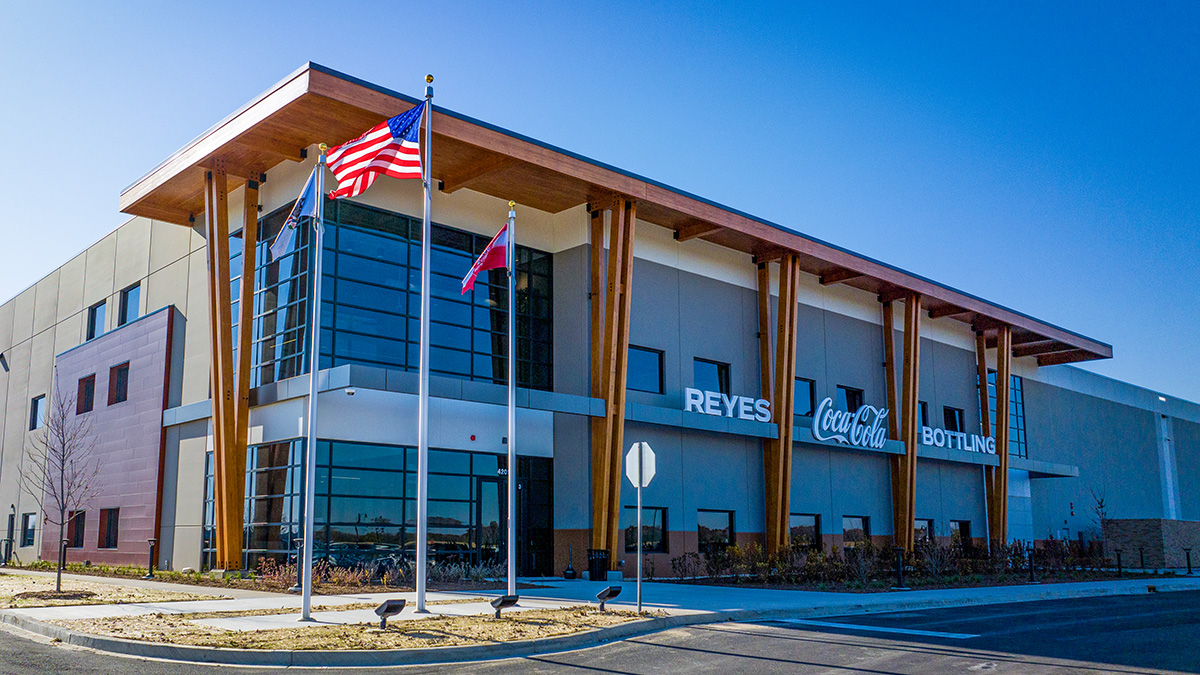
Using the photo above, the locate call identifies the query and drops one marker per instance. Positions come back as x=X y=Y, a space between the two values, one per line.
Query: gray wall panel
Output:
x=1187 y=460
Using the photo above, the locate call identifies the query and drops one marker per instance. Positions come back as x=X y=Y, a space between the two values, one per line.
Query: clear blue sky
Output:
x=1045 y=156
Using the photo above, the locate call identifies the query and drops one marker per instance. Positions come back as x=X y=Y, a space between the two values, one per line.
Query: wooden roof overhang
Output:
x=318 y=105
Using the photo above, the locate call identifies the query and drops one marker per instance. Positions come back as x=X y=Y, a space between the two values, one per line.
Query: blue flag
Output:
x=306 y=205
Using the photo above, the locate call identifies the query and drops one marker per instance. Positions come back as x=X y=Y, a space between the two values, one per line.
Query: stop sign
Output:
x=631 y=465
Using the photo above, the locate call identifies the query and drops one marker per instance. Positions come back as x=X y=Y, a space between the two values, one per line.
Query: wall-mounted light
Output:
x=1163 y=399
x=349 y=391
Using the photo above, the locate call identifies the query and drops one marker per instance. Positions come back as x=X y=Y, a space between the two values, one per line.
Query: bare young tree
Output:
x=59 y=472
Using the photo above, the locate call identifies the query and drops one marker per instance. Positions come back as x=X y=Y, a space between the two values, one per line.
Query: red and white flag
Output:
x=389 y=148
x=494 y=256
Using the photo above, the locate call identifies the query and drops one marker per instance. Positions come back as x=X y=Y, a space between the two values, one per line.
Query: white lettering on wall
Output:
x=956 y=440
x=721 y=405
x=865 y=427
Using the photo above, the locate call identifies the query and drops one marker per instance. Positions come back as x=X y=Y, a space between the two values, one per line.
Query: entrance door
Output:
x=8 y=540
x=490 y=516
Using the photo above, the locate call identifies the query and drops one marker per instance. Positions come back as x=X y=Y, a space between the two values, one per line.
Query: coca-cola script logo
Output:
x=865 y=427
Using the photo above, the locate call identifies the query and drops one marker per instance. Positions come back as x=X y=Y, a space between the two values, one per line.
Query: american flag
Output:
x=389 y=148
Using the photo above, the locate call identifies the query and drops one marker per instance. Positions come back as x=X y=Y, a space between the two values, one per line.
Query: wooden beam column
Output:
x=997 y=500
x=229 y=476
x=245 y=343
x=904 y=477
x=764 y=329
x=777 y=452
x=608 y=435
x=895 y=462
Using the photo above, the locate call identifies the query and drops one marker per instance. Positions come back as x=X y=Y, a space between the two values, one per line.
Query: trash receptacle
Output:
x=597 y=564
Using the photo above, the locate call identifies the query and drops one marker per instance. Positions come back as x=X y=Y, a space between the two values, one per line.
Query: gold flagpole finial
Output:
x=512 y=204
x=322 y=147
x=429 y=79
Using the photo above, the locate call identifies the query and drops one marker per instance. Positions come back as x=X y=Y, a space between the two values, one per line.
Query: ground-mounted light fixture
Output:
x=504 y=602
x=607 y=594
x=389 y=608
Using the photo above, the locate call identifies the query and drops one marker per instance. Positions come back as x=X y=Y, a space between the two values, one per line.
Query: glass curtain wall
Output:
x=1016 y=413
x=371 y=301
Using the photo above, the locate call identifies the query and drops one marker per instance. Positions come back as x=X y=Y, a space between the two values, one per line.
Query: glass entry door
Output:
x=491 y=510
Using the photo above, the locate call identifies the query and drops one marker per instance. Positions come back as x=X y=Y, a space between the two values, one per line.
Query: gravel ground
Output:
x=435 y=632
x=19 y=590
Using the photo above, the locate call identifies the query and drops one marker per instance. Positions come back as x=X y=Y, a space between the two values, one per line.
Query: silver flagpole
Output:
x=314 y=363
x=423 y=388
x=512 y=399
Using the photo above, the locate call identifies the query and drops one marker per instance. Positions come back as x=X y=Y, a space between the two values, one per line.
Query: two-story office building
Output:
x=793 y=391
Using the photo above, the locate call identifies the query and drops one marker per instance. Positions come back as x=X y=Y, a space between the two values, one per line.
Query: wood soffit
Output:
x=315 y=105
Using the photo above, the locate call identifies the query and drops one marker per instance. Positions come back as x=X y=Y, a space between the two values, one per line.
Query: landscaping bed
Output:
x=24 y=590
x=442 y=631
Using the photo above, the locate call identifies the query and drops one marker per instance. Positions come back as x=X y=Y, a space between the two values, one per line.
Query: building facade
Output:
x=643 y=314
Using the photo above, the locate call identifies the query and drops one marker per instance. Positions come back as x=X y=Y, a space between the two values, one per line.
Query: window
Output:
x=645 y=370
x=805 y=393
x=371 y=301
x=960 y=533
x=714 y=530
x=130 y=304
x=805 y=530
x=109 y=522
x=924 y=408
x=28 y=523
x=95 y=321
x=855 y=530
x=118 y=384
x=37 y=412
x=849 y=398
x=1016 y=413
x=953 y=418
x=710 y=376
x=654 y=529
x=923 y=530
x=85 y=398
x=75 y=522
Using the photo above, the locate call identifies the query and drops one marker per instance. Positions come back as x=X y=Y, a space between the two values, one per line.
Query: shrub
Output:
x=686 y=566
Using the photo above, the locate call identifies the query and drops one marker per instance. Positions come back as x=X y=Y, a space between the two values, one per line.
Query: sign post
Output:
x=640 y=469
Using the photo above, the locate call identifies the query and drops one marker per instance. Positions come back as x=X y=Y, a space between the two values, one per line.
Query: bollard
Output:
x=150 y=563
x=1118 y=552
x=298 y=588
x=899 y=567
x=1031 y=577
x=1188 y=553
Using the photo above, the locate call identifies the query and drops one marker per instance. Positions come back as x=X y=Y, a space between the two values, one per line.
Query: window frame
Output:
x=115 y=392
x=866 y=530
x=724 y=377
x=110 y=524
x=815 y=545
x=631 y=547
x=704 y=547
x=97 y=314
x=930 y=532
x=123 y=308
x=812 y=396
x=85 y=395
x=661 y=369
x=76 y=528
x=958 y=415
x=845 y=391
x=37 y=412
x=28 y=528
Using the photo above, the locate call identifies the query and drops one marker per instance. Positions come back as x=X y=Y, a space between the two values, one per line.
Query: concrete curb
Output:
x=432 y=655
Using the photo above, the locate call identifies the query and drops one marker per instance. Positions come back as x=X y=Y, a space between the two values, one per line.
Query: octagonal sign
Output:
x=631 y=464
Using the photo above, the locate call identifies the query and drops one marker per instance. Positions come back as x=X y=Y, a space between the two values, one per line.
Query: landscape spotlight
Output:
x=504 y=602
x=607 y=594
x=388 y=608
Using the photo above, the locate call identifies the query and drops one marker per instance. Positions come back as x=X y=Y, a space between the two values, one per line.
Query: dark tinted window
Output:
x=28 y=523
x=645 y=370
x=953 y=419
x=37 y=412
x=924 y=408
x=805 y=529
x=710 y=376
x=95 y=325
x=805 y=395
x=714 y=530
x=110 y=520
x=855 y=530
x=75 y=524
x=849 y=398
x=654 y=529
x=85 y=398
x=130 y=304
x=118 y=384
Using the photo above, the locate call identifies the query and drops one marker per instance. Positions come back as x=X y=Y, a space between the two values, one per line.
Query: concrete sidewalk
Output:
x=150 y=584
x=683 y=604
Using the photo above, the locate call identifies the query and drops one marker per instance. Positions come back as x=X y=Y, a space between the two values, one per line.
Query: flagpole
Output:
x=314 y=360
x=423 y=387
x=512 y=398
